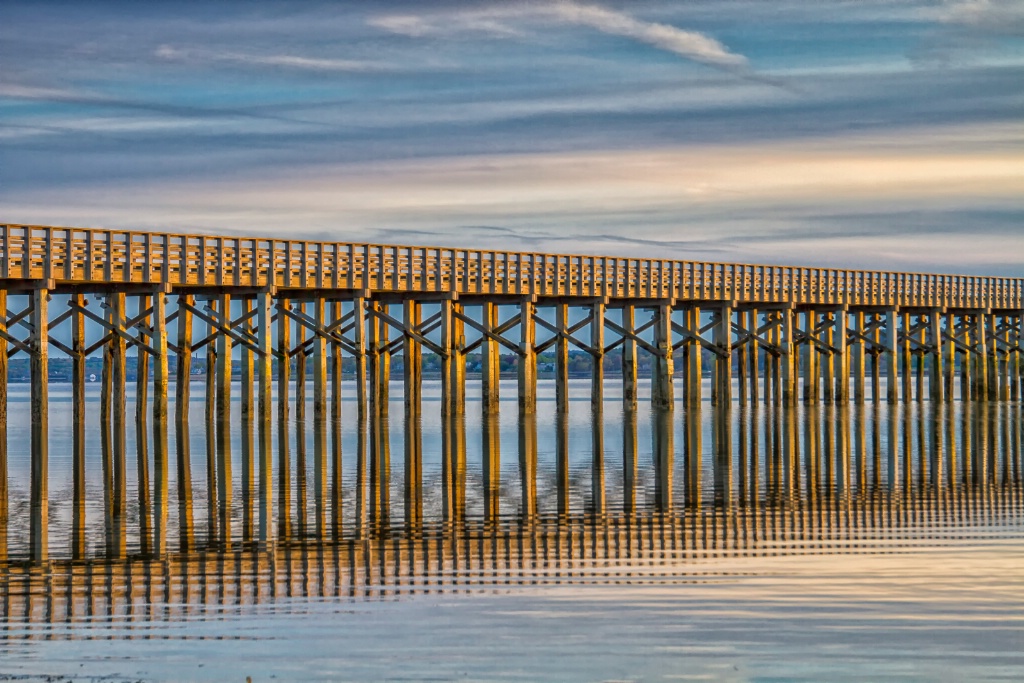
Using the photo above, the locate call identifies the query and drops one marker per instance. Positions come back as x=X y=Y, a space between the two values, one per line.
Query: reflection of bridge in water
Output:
x=293 y=310
x=768 y=478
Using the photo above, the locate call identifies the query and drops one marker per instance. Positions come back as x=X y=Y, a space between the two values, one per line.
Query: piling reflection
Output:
x=679 y=483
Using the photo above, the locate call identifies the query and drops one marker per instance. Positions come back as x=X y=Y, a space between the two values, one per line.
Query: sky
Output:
x=868 y=134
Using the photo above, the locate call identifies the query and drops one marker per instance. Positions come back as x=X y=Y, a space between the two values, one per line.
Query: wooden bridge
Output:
x=281 y=311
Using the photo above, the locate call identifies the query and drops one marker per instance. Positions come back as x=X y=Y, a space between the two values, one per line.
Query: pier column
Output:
x=336 y=469
x=662 y=365
x=946 y=339
x=937 y=378
x=527 y=368
x=142 y=444
x=694 y=370
x=116 y=317
x=892 y=387
x=597 y=313
x=4 y=496
x=182 y=397
x=39 y=347
x=629 y=394
x=992 y=361
x=789 y=375
x=284 y=370
x=858 y=353
x=906 y=361
x=248 y=409
x=830 y=320
x=265 y=390
x=808 y=356
x=224 y=417
x=451 y=379
x=490 y=360
x=359 y=342
x=562 y=359
x=380 y=360
x=841 y=358
x=320 y=415
x=412 y=367
x=161 y=454
x=78 y=410
x=980 y=370
x=754 y=354
x=721 y=389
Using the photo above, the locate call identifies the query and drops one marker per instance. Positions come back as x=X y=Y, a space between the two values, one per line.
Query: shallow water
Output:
x=881 y=542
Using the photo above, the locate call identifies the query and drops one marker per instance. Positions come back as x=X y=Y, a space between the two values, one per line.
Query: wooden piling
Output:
x=284 y=363
x=721 y=388
x=142 y=440
x=753 y=324
x=336 y=402
x=116 y=303
x=247 y=401
x=39 y=346
x=412 y=368
x=527 y=367
x=694 y=370
x=320 y=415
x=264 y=360
x=597 y=313
x=662 y=364
x=182 y=396
x=629 y=360
x=4 y=494
x=224 y=417
x=490 y=360
x=161 y=447
x=841 y=358
x=858 y=356
x=561 y=359
x=891 y=343
x=78 y=412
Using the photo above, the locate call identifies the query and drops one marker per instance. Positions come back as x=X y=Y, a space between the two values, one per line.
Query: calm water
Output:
x=879 y=542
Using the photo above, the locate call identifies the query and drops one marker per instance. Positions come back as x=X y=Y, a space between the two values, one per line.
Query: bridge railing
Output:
x=73 y=255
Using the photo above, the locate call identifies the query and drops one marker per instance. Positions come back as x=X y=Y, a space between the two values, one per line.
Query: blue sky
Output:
x=859 y=134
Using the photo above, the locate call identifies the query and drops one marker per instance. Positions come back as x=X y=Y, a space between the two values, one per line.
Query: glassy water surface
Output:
x=744 y=543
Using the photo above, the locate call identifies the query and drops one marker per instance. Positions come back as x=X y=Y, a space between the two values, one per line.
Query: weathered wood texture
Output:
x=72 y=255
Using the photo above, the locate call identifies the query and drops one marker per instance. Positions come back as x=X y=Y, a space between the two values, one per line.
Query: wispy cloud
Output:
x=688 y=44
x=171 y=53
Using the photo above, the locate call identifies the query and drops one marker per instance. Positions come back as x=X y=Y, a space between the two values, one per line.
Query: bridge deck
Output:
x=73 y=255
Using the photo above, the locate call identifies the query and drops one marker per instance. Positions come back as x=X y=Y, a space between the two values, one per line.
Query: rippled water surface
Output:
x=815 y=543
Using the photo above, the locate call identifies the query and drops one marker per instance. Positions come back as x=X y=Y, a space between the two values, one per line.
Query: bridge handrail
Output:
x=80 y=255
